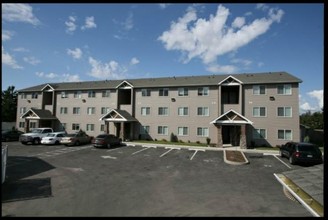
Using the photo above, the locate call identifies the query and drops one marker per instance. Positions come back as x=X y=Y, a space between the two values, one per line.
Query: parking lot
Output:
x=141 y=181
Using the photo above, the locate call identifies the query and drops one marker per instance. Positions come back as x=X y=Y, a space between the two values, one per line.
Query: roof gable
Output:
x=231 y=117
x=230 y=81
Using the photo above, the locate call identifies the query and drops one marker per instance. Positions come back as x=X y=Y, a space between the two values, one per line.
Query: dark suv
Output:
x=301 y=152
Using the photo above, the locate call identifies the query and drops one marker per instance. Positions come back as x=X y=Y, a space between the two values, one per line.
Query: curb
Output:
x=235 y=162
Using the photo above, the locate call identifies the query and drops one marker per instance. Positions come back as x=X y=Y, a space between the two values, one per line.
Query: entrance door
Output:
x=231 y=135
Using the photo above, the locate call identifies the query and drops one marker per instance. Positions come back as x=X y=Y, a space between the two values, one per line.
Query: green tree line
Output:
x=312 y=120
x=9 y=104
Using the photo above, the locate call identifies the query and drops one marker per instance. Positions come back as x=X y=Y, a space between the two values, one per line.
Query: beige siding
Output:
x=272 y=122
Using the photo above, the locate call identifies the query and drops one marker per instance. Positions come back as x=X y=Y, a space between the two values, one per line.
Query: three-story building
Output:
x=232 y=110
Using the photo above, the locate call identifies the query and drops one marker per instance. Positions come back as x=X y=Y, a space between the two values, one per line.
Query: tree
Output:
x=9 y=104
x=314 y=121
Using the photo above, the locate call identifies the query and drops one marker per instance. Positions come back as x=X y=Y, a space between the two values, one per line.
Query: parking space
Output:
x=146 y=181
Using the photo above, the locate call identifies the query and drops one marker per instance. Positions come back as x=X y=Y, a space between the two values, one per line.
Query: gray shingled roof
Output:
x=42 y=114
x=200 y=80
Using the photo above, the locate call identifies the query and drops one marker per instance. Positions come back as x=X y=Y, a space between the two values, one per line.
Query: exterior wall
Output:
x=173 y=120
x=83 y=118
x=272 y=122
x=27 y=103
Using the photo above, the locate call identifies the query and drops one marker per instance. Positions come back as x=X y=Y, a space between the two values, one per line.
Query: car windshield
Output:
x=307 y=148
x=51 y=135
x=102 y=136
x=36 y=131
x=70 y=135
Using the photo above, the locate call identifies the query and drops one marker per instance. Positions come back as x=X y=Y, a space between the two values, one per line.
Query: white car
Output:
x=53 y=138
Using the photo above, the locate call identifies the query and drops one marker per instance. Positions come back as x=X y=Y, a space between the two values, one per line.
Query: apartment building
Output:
x=250 y=109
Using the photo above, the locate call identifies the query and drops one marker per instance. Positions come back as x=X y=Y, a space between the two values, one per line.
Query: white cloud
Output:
x=7 y=59
x=238 y=22
x=75 y=53
x=318 y=95
x=110 y=70
x=164 y=5
x=244 y=62
x=89 y=23
x=225 y=69
x=20 y=49
x=19 y=13
x=128 y=23
x=208 y=39
x=70 y=24
x=262 y=6
x=31 y=60
x=6 y=35
x=260 y=64
x=66 y=77
x=134 y=61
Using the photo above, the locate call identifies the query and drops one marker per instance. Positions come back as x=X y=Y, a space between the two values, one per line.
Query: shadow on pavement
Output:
x=16 y=188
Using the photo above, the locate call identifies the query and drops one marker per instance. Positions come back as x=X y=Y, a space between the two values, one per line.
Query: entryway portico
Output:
x=123 y=123
x=231 y=129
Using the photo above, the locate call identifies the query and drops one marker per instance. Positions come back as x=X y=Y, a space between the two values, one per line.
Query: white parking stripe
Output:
x=193 y=155
x=166 y=152
x=282 y=161
x=140 y=150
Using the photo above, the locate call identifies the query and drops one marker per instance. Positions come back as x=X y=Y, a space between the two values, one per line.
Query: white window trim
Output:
x=163 y=126
x=258 y=87
x=183 y=111
x=204 y=115
x=183 y=90
x=291 y=131
x=183 y=127
x=291 y=89
x=260 y=138
x=259 y=116
x=284 y=116
x=203 y=128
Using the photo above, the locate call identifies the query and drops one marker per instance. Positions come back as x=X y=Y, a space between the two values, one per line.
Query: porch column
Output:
x=27 y=125
x=107 y=127
x=219 y=142
x=122 y=131
x=243 y=143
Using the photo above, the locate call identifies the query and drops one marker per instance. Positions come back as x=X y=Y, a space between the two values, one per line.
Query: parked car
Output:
x=53 y=138
x=106 y=140
x=298 y=152
x=10 y=135
x=76 y=139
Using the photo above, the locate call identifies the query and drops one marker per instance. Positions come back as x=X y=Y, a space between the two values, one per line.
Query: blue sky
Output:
x=45 y=43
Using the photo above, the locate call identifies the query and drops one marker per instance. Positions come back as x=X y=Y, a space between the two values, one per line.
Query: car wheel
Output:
x=36 y=141
x=57 y=142
x=77 y=143
x=291 y=160
x=281 y=154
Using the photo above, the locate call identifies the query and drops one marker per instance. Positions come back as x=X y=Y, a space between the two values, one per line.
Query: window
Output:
x=22 y=124
x=77 y=94
x=285 y=89
x=145 y=92
x=104 y=110
x=183 y=92
x=164 y=92
x=259 y=133
x=182 y=131
x=32 y=124
x=75 y=127
x=202 y=111
x=91 y=110
x=63 y=110
x=145 y=110
x=163 y=130
x=163 y=111
x=259 y=90
x=105 y=93
x=259 y=111
x=183 y=111
x=285 y=111
x=230 y=94
x=34 y=95
x=22 y=110
x=285 y=134
x=102 y=127
x=64 y=95
x=90 y=127
x=76 y=110
x=91 y=94
x=144 y=129
x=203 y=132
x=23 y=96
x=203 y=91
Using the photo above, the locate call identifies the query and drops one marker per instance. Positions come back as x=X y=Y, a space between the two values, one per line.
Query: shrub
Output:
x=173 y=138
x=164 y=140
x=208 y=140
